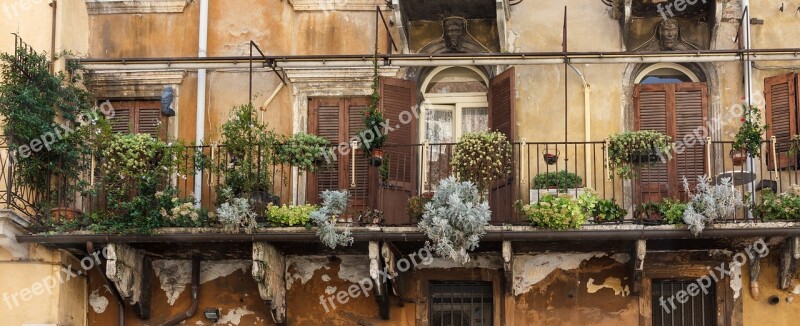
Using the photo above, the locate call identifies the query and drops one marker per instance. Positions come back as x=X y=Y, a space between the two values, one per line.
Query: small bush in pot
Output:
x=416 y=205
x=784 y=206
x=455 y=219
x=709 y=203
x=334 y=205
x=286 y=215
x=561 y=180
x=302 y=150
x=748 y=138
x=649 y=213
x=607 y=210
x=672 y=211
x=630 y=150
x=555 y=212
x=482 y=158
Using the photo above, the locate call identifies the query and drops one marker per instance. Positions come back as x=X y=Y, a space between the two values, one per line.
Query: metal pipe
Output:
x=415 y=60
x=111 y=287
x=195 y=296
x=200 y=116
x=543 y=235
x=54 y=5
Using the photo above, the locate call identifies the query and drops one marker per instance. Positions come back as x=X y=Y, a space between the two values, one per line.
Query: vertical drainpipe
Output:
x=587 y=126
x=200 y=127
x=748 y=83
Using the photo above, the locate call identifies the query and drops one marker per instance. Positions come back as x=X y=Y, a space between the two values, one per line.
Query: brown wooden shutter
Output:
x=399 y=107
x=781 y=116
x=148 y=119
x=501 y=104
x=690 y=117
x=323 y=121
x=676 y=110
x=652 y=111
x=360 y=194
x=122 y=120
x=501 y=118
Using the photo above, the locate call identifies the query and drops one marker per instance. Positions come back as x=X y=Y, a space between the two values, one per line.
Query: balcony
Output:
x=414 y=169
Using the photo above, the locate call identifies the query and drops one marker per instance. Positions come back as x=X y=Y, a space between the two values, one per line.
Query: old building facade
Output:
x=557 y=78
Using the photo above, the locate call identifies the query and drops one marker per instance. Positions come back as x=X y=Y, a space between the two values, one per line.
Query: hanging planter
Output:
x=550 y=156
x=738 y=157
x=631 y=150
x=377 y=157
x=645 y=155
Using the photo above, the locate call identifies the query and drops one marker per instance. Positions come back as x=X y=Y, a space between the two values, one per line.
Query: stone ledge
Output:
x=12 y=225
x=106 y=7
x=333 y=5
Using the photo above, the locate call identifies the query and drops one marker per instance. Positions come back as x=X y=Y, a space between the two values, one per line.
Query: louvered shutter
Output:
x=148 y=118
x=690 y=116
x=652 y=111
x=121 y=121
x=399 y=107
x=501 y=118
x=676 y=110
x=323 y=121
x=360 y=189
x=781 y=116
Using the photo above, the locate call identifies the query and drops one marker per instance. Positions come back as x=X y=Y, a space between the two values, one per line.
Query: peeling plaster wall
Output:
x=573 y=289
x=759 y=311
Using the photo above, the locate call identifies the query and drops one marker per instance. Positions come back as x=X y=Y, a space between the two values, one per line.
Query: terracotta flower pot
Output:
x=738 y=157
x=68 y=214
x=377 y=157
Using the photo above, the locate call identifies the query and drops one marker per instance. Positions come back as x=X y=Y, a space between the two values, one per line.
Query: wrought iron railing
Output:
x=414 y=169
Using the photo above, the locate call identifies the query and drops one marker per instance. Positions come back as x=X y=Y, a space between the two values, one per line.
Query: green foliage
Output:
x=383 y=170
x=785 y=206
x=334 y=204
x=602 y=210
x=649 y=213
x=249 y=145
x=35 y=103
x=415 y=207
x=290 y=215
x=302 y=150
x=672 y=211
x=555 y=212
x=561 y=180
x=455 y=219
x=482 y=158
x=748 y=137
x=371 y=216
x=626 y=150
x=373 y=118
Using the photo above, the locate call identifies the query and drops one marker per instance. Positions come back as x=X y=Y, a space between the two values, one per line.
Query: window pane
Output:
x=439 y=129
x=475 y=120
x=439 y=126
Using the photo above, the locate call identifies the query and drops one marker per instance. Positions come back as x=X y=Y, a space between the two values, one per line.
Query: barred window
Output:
x=461 y=303
x=696 y=310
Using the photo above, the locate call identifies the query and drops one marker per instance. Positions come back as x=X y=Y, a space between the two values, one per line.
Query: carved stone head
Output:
x=669 y=35
x=455 y=29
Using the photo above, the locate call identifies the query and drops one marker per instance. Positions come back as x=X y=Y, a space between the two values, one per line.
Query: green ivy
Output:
x=625 y=150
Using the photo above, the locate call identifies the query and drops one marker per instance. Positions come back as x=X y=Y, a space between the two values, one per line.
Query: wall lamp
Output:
x=212 y=314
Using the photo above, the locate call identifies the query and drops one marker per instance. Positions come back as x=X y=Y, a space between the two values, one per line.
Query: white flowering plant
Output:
x=482 y=158
x=455 y=219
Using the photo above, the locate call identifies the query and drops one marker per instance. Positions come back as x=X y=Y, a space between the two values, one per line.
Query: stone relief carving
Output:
x=457 y=38
x=667 y=37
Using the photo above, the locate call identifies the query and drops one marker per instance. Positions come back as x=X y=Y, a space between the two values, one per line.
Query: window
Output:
x=461 y=303
x=781 y=93
x=696 y=310
x=678 y=110
x=337 y=120
x=138 y=117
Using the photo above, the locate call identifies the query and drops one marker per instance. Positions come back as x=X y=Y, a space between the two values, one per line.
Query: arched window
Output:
x=666 y=73
x=454 y=103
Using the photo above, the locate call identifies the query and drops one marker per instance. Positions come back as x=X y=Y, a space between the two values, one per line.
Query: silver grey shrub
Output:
x=236 y=213
x=455 y=219
x=334 y=204
x=709 y=203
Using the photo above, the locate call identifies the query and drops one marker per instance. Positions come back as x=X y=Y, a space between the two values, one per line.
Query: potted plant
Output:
x=783 y=207
x=630 y=150
x=302 y=150
x=290 y=215
x=554 y=183
x=482 y=158
x=748 y=138
x=649 y=214
x=415 y=207
x=555 y=212
x=550 y=156
x=455 y=219
x=374 y=120
x=372 y=216
x=672 y=211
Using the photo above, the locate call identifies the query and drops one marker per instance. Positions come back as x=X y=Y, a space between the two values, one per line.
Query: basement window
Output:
x=696 y=310
x=461 y=303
